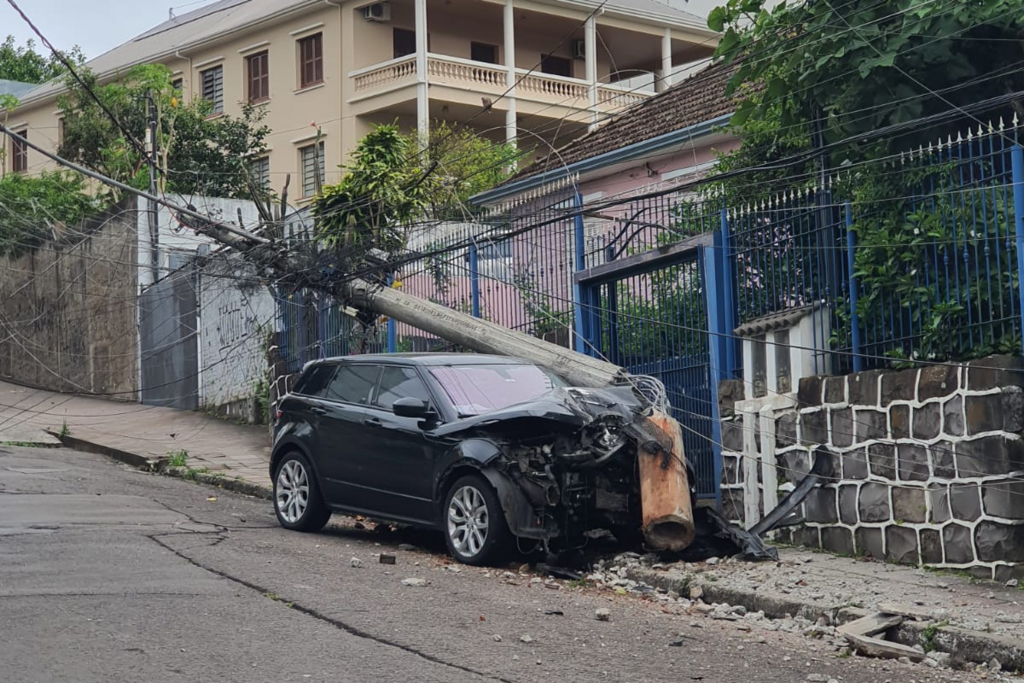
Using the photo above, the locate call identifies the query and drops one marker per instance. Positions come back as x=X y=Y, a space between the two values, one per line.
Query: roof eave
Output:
x=52 y=94
x=628 y=153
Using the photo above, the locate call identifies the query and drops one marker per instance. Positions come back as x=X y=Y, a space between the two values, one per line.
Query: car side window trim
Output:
x=434 y=403
x=373 y=391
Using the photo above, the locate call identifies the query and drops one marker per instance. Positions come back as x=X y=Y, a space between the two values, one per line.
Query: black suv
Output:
x=484 y=448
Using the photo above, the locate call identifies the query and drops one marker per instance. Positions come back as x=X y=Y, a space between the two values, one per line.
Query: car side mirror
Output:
x=411 y=407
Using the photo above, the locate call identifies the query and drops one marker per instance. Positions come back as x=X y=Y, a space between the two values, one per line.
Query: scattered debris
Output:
x=554 y=613
x=602 y=614
x=355 y=562
x=386 y=558
x=407 y=546
x=418 y=583
x=526 y=638
x=860 y=634
x=497 y=637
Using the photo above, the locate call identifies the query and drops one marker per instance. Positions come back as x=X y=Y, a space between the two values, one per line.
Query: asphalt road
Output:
x=108 y=574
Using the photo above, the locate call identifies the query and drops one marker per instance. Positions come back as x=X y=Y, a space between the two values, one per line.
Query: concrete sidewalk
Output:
x=237 y=452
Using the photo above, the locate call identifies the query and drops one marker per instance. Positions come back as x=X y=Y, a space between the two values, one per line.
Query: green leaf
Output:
x=716 y=19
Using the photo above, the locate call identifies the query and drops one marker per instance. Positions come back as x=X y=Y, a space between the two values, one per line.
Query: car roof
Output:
x=429 y=359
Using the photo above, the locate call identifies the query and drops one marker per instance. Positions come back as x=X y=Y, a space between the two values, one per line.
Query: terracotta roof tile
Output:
x=697 y=99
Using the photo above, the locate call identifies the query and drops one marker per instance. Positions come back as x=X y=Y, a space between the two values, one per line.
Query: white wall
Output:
x=237 y=313
x=177 y=241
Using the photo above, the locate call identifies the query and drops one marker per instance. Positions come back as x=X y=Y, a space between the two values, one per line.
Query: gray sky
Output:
x=94 y=25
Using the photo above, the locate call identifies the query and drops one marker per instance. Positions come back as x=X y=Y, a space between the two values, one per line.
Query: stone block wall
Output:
x=927 y=466
x=69 y=309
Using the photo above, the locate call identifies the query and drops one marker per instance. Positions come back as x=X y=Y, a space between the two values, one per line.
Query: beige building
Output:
x=542 y=71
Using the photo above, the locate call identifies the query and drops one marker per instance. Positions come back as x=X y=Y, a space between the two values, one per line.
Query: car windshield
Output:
x=479 y=389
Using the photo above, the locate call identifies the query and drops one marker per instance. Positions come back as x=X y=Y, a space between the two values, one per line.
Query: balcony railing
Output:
x=385 y=74
x=492 y=79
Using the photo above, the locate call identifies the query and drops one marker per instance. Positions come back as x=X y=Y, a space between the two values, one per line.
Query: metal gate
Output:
x=648 y=313
x=168 y=337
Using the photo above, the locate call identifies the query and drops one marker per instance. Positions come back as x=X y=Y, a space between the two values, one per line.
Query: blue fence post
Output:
x=579 y=305
x=851 y=248
x=1017 y=161
x=717 y=296
x=474 y=281
x=392 y=327
x=728 y=294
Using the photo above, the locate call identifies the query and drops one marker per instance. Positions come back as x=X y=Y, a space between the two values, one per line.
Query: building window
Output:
x=259 y=172
x=19 y=153
x=177 y=84
x=311 y=60
x=258 y=76
x=482 y=52
x=404 y=42
x=312 y=160
x=60 y=131
x=213 y=88
x=556 y=66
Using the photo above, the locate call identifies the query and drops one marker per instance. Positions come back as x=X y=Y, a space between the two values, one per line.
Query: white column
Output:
x=590 y=39
x=510 y=65
x=422 y=96
x=665 y=82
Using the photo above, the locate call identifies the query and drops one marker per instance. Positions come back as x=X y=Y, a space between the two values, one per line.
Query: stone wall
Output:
x=927 y=466
x=68 y=309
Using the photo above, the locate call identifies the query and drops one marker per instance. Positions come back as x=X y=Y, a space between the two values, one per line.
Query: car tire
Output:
x=473 y=522
x=297 y=500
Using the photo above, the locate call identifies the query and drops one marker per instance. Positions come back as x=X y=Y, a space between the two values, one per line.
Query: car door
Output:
x=345 y=441
x=400 y=466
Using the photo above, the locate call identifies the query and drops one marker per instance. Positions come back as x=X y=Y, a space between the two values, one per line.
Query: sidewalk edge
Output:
x=965 y=645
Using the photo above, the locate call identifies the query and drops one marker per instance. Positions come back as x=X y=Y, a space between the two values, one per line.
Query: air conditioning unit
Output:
x=378 y=11
x=579 y=49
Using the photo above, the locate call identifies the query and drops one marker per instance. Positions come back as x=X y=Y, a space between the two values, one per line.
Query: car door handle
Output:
x=318 y=411
x=372 y=422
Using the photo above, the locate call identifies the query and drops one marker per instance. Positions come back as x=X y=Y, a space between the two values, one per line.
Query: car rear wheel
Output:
x=297 y=500
x=474 y=523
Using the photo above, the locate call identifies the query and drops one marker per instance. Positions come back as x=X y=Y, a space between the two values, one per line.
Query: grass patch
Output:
x=928 y=635
x=64 y=430
x=177 y=458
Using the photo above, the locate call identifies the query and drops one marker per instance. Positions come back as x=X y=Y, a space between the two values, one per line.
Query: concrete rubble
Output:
x=802 y=594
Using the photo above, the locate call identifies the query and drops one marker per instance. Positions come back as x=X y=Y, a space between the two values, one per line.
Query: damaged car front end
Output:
x=568 y=462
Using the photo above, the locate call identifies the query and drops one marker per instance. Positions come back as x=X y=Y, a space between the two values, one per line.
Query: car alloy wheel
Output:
x=292 y=491
x=468 y=521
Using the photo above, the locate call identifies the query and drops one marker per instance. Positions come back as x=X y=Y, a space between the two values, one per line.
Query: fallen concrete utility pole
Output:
x=665 y=495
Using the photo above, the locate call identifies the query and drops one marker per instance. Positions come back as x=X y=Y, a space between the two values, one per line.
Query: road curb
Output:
x=159 y=465
x=965 y=646
x=134 y=459
x=222 y=481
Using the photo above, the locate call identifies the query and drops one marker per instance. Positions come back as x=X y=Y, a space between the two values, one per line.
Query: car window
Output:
x=478 y=389
x=314 y=382
x=397 y=382
x=353 y=384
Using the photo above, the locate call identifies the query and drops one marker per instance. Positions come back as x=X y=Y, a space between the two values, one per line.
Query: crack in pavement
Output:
x=336 y=623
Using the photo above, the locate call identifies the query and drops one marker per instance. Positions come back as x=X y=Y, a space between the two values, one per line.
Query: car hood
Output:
x=568 y=408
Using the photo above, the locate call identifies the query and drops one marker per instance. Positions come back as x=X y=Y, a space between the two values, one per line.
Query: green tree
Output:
x=390 y=183
x=33 y=207
x=198 y=154
x=860 y=65
x=23 y=63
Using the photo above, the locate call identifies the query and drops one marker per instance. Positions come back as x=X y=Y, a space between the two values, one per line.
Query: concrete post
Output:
x=422 y=93
x=590 y=39
x=510 y=65
x=665 y=81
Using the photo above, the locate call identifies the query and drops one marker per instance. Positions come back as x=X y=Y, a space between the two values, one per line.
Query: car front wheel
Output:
x=297 y=500
x=474 y=523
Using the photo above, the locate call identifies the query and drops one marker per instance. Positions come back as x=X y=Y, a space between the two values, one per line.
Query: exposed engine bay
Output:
x=568 y=463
